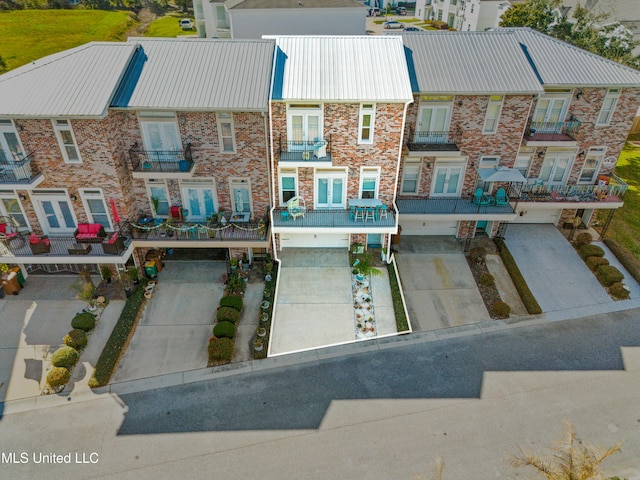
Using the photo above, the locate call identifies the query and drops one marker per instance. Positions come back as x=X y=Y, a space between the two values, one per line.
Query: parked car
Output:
x=373 y=12
x=401 y=11
x=186 y=24
x=412 y=29
x=393 y=24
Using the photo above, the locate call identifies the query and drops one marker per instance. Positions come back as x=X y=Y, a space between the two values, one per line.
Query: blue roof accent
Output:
x=130 y=79
x=413 y=78
x=525 y=50
x=278 y=74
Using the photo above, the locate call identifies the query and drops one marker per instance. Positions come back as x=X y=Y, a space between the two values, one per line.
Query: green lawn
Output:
x=31 y=34
x=167 y=27
x=625 y=227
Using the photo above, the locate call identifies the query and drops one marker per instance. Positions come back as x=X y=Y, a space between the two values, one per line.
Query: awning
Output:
x=501 y=174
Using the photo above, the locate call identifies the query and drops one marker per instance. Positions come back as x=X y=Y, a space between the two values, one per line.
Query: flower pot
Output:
x=262 y=332
x=265 y=304
x=258 y=347
x=267 y=277
x=148 y=294
x=264 y=317
x=359 y=277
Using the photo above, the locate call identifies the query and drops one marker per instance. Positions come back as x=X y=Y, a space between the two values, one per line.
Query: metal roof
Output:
x=297 y=4
x=199 y=74
x=341 y=68
x=558 y=63
x=469 y=62
x=75 y=83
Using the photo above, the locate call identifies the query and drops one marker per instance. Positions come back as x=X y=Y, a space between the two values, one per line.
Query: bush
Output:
x=84 y=321
x=594 y=262
x=76 y=338
x=124 y=328
x=526 y=296
x=227 y=314
x=220 y=351
x=586 y=251
x=232 y=301
x=626 y=258
x=618 y=291
x=477 y=254
x=65 y=357
x=224 y=330
x=486 y=279
x=583 y=238
x=58 y=376
x=608 y=275
x=501 y=310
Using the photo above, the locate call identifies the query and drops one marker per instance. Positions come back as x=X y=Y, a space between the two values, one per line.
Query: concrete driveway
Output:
x=555 y=274
x=438 y=286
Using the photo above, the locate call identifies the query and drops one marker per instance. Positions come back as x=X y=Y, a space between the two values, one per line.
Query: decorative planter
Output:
x=258 y=347
x=148 y=294
x=264 y=317
x=267 y=277
x=265 y=304
x=262 y=332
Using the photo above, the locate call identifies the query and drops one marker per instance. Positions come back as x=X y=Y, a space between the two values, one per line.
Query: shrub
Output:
x=84 y=321
x=58 y=376
x=586 y=251
x=501 y=310
x=626 y=258
x=486 y=279
x=224 y=330
x=220 y=351
x=618 y=291
x=477 y=254
x=227 y=314
x=608 y=275
x=76 y=338
x=526 y=296
x=65 y=357
x=594 y=262
x=232 y=301
x=583 y=238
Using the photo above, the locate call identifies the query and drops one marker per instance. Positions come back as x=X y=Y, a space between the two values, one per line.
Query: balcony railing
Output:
x=168 y=231
x=305 y=151
x=64 y=246
x=20 y=172
x=553 y=131
x=448 y=206
x=425 y=141
x=329 y=219
x=161 y=161
x=613 y=192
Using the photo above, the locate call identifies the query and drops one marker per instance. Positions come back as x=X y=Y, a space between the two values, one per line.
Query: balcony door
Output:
x=200 y=201
x=555 y=169
x=433 y=123
x=549 y=114
x=304 y=127
x=447 y=179
x=160 y=132
x=56 y=213
x=330 y=189
x=10 y=148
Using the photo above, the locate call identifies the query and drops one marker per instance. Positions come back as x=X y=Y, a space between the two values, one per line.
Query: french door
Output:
x=433 y=123
x=56 y=213
x=200 y=203
x=10 y=147
x=554 y=169
x=304 y=127
x=330 y=190
x=549 y=114
x=447 y=180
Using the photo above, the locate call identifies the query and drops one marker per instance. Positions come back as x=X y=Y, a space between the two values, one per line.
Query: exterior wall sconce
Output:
x=541 y=154
x=581 y=154
x=22 y=196
x=73 y=197
x=579 y=94
x=460 y=103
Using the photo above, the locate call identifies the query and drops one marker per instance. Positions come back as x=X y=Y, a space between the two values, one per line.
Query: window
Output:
x=159 y=198
x=221 y=17
x=240 y=195
x=10 y=207
x=160 y=131
x=608 y=106
x=522 y=164
x=225 y=133
x=10 y=147
x=95 y=207
x=439 y=14
x=410 y=176
x=489 y=162
x=369 y=180
x=365 y=127
x=67 y=141
x=493 y=114
x=288 y=184
x=304 y=124
x=591 y=165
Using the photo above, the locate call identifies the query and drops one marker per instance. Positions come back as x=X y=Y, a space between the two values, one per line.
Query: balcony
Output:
x=305 y=151
x=20 y=174
x=552 y=133
x=432 y=141
x=330 y=219
x=157 y=163
x=461 y=206
x=608 y=196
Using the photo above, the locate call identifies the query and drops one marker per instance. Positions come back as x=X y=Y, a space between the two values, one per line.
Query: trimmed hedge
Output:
x=618 y=291
x=526 y=296
x=583 y=238
x=608 y=275
x=84 y=321
x=220 y=351
x=594 y=262
x=227 y=314
x=626 y=258
x=232 y=301
x=76 y=338
x=58 y=376
x=501 y=310
x=224 y=330
x=586 y=251
x=65 y=357
x=486 y=279
x=402 y=323
x=113 y=349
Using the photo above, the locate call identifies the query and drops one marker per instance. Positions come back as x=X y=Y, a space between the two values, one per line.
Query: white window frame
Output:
x=9 y=126
x=489 y=161
x=11 y=195
x=60 y=125
x=366 y=109
x=200 y=183
x=226 y=118
x=287 y=173
x=448 y=164
x=341 y=173
x=369 y=172
x=146 y=119
x=158 y=183
x=305 y=110
x=411 y=165
x=494 y=101
x=613 y=94
x=529 y=158
x=240 y=182
x=598 y=153
x=87 y=194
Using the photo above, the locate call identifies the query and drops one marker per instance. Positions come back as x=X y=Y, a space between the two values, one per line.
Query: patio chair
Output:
x=320 y=149
x=383 y=212
x=479 y=198
x=296 y=207
x=359 y=215
x=501 y=198
x=370 y=214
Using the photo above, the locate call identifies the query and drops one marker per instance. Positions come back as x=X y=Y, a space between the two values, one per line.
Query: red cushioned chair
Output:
x=39 y=244
x=114 y=245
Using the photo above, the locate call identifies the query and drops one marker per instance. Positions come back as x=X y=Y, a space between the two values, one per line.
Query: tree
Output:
x=570 y=459
x=541 y=15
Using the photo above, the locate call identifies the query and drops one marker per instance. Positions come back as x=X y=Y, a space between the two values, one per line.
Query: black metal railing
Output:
x=64 y=246
x=537 y=191
x=330 y=218
x=555 y=130
x=301 y=150
x=167 y=230
x=457 y=205
x=20 y=172
x=161 y=161
x=422 y=141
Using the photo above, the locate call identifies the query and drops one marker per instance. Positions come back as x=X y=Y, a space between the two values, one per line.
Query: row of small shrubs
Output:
x=608 y=275
x=402 y=324
x=529 y=301
x=222 y=344
x=118 y=340
x=626 y=258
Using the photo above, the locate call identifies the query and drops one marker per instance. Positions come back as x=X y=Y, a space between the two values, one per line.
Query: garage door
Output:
x=425 y=227
x=314 y=240
x=538 y=216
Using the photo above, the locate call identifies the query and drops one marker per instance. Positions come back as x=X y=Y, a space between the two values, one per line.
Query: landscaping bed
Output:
x=486 y=284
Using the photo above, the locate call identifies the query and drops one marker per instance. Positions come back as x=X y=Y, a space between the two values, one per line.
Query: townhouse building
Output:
x=463 y=15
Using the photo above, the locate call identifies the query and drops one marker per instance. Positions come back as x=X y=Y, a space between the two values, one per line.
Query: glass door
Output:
x=304 y=129
x=57 y=215
x=330 y=192
x=199 y=202
x=555 y=169
x=10 y=147
x=447 y=180
x=549 y=115
x=433 y=123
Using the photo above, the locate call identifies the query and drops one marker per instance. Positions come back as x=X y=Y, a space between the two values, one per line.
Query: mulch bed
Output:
x=489 y=294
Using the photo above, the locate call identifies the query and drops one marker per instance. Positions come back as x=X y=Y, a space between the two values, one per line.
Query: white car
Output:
x=186 y=24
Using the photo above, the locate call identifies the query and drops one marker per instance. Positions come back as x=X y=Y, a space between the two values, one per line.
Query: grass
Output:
x=402 y=324
x=167 y=27
x=31 y=34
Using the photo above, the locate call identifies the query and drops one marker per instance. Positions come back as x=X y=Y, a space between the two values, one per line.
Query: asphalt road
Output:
x=372 y=415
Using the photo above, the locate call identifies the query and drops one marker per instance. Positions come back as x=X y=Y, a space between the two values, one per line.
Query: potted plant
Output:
x=363 y=267
x=105 y=271
x=126 y=283
x=261 y=332
x=245 y=261
x=156 y=204
x=86 y=293
x=134 y=275
x=258 y=344
x=234 y=263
